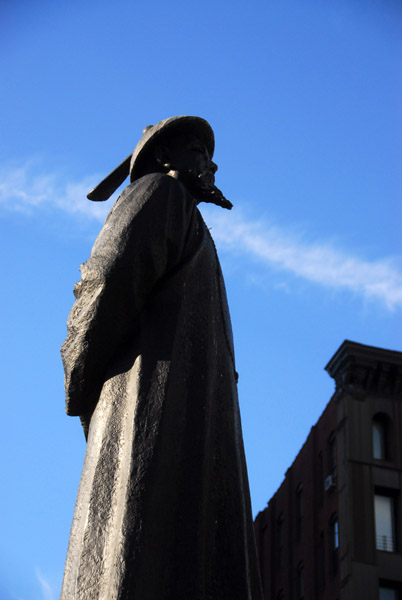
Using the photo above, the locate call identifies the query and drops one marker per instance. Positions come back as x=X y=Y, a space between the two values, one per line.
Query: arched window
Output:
x=381 y=436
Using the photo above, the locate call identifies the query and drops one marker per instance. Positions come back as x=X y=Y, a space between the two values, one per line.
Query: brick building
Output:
x=333 y=530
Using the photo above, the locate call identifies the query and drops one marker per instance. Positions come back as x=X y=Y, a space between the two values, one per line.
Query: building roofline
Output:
x=361 y=354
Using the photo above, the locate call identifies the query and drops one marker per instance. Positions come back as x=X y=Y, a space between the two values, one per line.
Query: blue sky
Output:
x=304 y=98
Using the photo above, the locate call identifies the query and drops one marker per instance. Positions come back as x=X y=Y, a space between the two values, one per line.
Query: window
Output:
x=335 y=534
x=334 y=543
x=300 y=582
x=384 y=523
x=388 y=593
x=380 y=437
x=299 y=512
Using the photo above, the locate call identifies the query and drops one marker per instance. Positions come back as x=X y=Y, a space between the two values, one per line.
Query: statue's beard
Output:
x=213 y=195
x=203 y=188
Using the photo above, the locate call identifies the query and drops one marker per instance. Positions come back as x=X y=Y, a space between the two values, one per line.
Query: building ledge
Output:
x=357 y=368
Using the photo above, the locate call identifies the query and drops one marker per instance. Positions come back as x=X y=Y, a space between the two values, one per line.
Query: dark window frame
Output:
x=394 y=586
x=391 y=543
x=384 y=424
x=333 y=544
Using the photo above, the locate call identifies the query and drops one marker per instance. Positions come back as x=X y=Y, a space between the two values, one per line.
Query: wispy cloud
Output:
x=24 y=189
x=47 y=591
x=318 y=262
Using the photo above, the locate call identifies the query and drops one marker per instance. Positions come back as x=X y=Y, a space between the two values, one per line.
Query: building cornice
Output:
x=358 y=369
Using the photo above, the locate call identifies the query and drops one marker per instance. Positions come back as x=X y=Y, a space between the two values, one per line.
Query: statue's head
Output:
x=166 y=137
x=186 y=158
x=181 y=147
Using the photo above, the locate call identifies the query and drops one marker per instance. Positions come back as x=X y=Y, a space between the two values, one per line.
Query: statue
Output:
x=163 y=508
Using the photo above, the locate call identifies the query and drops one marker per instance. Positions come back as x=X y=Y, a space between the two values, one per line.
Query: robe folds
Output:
x=163 y=508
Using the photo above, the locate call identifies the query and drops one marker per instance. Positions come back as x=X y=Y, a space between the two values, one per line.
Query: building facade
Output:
x=333 y=530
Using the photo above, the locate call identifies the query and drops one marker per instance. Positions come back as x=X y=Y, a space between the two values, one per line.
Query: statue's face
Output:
x=185 y=158
x=189 y=158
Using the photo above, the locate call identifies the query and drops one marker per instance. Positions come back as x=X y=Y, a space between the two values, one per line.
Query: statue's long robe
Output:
x=163 y=509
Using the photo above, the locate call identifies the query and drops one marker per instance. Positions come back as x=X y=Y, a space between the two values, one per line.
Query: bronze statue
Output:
x=163 y=509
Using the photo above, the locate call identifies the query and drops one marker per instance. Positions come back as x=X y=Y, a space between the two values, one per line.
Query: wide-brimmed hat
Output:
x=135 y=162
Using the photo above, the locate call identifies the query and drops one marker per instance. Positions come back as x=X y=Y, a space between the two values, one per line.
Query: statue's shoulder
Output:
x=151 y=194
x=152 y=183
x=151 y=189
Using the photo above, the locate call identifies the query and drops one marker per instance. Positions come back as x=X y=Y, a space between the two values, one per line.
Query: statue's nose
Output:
x=214 y=167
